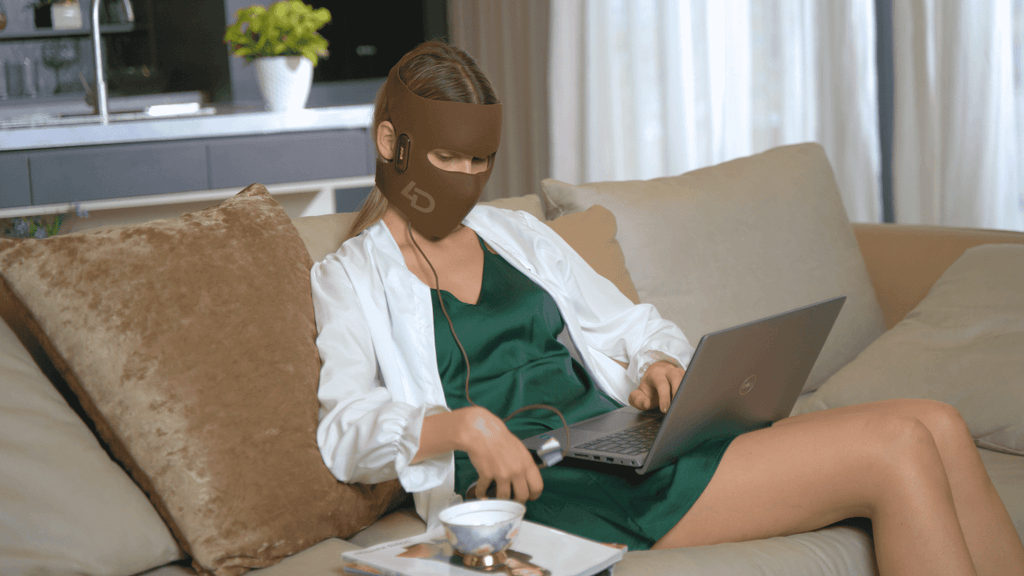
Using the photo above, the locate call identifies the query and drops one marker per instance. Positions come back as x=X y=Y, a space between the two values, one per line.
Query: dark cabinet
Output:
x=83 y=173
x=286 y=158
x=117 y=171
x=14 y=188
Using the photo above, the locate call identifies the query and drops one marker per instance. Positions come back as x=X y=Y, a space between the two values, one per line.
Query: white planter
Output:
x=66 y=16
x=284 y=81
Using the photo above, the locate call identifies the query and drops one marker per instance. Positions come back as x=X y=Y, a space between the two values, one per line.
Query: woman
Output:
x=415 y=380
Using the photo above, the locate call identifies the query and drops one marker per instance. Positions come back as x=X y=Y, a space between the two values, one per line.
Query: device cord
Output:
x=465 y=357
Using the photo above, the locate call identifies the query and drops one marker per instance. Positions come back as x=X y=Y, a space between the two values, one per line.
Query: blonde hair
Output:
x=372 y=210
x=433 y=70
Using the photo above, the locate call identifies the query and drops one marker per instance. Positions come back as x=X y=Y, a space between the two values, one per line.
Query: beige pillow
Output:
x=592 y=234
x=738 y=241
x=190 y=343
x=65 y=507
x=963 y=344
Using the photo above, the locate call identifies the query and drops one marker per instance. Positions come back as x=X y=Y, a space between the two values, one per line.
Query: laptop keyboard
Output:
x=630 y=441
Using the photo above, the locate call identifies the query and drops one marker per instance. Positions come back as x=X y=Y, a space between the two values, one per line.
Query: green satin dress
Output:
x=510 y=338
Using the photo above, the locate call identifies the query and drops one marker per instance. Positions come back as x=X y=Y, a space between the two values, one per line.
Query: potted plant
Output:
x=285 y=44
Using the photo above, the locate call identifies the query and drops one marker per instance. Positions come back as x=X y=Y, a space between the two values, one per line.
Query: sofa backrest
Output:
x=731 y=243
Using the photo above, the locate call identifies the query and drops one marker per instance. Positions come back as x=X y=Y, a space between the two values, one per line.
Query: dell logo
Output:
x=415 y=194
x=748 y=384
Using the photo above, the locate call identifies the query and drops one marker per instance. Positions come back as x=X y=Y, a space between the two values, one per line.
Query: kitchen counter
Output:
x=211 y=122
x=50 y=159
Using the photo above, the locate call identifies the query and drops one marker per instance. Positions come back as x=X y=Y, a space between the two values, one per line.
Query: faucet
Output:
x=97 y=51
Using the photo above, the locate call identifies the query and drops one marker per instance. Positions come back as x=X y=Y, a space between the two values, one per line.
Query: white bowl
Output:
x=482 y=528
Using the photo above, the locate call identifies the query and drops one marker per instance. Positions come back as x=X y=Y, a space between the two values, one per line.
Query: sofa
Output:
x=158 y=381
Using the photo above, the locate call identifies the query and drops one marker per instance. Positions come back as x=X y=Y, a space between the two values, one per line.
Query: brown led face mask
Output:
x=434 y=200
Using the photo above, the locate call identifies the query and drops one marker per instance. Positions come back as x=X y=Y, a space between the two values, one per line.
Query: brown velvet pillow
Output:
x=190 y=344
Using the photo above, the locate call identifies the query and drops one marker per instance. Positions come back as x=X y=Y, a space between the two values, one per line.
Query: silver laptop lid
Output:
x=743 y=378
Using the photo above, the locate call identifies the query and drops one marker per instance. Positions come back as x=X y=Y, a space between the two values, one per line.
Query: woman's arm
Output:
x=364 y=434
x=498 y=456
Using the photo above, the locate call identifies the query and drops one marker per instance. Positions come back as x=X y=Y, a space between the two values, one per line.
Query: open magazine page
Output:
x=537 y=551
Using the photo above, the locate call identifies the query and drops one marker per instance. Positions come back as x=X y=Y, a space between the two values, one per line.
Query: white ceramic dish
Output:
x=481 y=530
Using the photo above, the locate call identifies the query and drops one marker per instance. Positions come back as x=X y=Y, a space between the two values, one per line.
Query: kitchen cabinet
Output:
x=117 y=171
x=281 y=158
x=14 y=188
x=159 y=160
x=100 y=172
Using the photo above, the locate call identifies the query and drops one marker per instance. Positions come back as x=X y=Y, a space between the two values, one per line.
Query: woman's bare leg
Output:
x=988 y=529
x=806 y=475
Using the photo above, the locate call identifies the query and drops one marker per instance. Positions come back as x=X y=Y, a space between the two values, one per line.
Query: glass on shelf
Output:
x=58 y=54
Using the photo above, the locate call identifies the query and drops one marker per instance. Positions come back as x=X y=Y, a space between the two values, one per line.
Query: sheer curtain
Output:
x=647 y=88
x=958 y=150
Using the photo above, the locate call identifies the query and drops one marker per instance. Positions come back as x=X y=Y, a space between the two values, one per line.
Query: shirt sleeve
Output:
x=633 y=334
x=364 y=435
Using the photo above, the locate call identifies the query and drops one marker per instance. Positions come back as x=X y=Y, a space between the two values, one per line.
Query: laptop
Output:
x=739 y=379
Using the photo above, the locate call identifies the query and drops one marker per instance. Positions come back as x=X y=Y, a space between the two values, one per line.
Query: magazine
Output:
x=537 y=551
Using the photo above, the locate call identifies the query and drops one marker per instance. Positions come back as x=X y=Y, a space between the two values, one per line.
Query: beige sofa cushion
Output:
x=67 y=508
x=734 y=242
x=190 y=344
x=963 y=344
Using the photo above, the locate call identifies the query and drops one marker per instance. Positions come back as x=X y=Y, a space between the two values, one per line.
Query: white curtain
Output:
x=509 y=40
x=958 y=151
x=648 y=88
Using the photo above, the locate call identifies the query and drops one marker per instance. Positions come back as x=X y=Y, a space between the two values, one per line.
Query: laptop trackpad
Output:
x=616 y=420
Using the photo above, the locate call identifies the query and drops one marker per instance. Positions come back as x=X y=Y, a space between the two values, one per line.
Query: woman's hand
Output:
x=498 y=455
x=657 y=387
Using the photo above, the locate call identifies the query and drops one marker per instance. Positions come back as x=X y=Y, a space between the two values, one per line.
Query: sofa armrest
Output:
x=904 y=260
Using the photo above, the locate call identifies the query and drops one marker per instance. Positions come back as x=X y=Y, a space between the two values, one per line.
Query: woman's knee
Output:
x=899 y=444
x=945 y=423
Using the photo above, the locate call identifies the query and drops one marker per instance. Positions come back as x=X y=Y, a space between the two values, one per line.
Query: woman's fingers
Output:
x=665 y=391
x=640 y=399
x=658 y=386
x=520 y=490
x=483 y=484
x=504 y=490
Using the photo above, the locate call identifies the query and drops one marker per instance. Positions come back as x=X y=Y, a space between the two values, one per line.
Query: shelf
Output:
x=84 y=31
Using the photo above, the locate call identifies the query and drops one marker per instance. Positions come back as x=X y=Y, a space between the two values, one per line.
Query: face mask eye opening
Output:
x=450 y=161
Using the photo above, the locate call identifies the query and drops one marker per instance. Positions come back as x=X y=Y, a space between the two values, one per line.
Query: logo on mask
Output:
x=415 y=194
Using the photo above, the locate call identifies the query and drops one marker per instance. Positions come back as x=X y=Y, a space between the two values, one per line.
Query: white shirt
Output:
x=379 y=375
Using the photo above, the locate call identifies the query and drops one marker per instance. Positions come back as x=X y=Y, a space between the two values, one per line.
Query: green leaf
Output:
x=288 y=27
